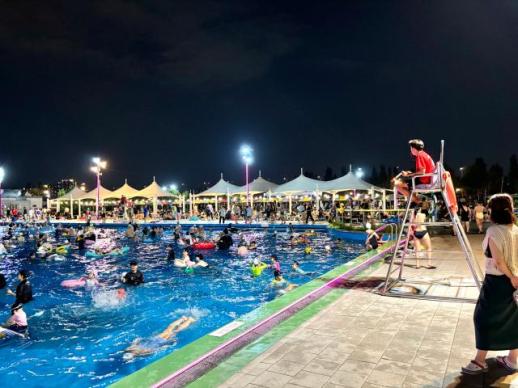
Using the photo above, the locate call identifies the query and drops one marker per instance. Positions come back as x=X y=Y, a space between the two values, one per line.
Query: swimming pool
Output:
x=74 y=340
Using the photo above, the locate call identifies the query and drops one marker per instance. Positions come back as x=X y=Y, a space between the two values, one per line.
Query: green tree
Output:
x=495 y=177
x=329 y=174
x=475 y=177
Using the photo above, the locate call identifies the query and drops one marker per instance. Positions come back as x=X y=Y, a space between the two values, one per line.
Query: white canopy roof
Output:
x=301 y=184
x=92 y=194
x=258 y=185
x=73 y=194
x=125 y=190
x=153 y=191
x=347 y=182
x=221 y=188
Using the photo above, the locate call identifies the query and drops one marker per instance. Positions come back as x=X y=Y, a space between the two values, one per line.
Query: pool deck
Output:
x=362 y=339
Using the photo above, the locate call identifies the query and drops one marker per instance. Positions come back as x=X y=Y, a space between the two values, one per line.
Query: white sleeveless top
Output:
x=506 y=239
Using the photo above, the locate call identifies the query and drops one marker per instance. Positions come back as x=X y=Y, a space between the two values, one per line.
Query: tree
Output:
x=344 y=170
x=495 y=178
x=512 y=176
x=474 y=179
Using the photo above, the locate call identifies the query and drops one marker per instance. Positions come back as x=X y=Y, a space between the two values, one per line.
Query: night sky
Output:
x=172 y=88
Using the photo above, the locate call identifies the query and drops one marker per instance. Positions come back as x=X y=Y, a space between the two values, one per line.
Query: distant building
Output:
x=14 y=199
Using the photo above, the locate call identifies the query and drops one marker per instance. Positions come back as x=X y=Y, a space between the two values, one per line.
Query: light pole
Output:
x=2 y=175
x=99 y=165
x=247 y=156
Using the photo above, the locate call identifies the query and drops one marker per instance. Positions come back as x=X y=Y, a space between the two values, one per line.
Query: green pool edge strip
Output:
x=165 y=366
x=235 y=363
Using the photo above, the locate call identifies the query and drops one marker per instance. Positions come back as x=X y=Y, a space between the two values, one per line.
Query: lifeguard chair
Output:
x=424 y=287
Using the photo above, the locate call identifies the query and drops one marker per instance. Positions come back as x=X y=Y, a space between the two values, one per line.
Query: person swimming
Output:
x=134 y=276
x=109 y=298
x=280 y=283
x=296 y=267
x=275 y=263
x=144 y=347
x=91 y=280
x=170 y=252
x=17 y=322
x=199 y=261
x=257 y=267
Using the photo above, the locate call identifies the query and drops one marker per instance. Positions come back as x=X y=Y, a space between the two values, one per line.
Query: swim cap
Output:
x=133 y=262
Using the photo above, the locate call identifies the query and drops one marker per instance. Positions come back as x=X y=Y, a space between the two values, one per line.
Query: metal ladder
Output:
x=438 y=187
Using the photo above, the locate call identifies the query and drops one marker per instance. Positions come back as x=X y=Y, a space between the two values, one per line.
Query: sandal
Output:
x=504 y=362
x=474 y=368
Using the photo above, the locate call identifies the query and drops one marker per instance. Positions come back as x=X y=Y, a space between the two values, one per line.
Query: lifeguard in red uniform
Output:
x=424 y=164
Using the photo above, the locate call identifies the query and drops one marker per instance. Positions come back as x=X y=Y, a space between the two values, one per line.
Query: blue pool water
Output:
x=76 y=341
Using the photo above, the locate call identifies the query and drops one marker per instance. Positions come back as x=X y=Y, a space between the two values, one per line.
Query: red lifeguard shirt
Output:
x=424 y=161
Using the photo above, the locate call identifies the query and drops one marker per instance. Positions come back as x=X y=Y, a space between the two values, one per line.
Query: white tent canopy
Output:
x=92 y=194
x=257 y=186
x=153 y=191
x=221 y=188
x=347 y=182
x=301 y=184
x=73 y=195
x=125 y=190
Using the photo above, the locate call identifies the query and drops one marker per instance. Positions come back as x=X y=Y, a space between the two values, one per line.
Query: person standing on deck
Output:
x=496 y=312
x=479 y=211
x=222 y=214
x=309 y=213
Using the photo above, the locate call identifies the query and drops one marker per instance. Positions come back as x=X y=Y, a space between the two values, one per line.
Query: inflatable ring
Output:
x=189 y=270
x=204 y=245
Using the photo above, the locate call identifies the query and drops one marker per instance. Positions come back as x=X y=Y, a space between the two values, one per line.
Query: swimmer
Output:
x=109 y=298
x=134 y=276
x=170 y=252
x=296 y=267
x=372 y=240
x=144 y=347
x=280 y=283
x=199 y=261
x=257 y=267
x=308 y=250
x=17 y=322
x=252 y=246
x=275 y=263
x=23 y=289
x=91 y=280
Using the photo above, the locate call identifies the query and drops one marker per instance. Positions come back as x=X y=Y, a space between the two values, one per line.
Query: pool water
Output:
x=78 y=339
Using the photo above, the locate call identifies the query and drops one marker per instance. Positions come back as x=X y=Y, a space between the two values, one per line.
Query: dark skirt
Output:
x=496 y=315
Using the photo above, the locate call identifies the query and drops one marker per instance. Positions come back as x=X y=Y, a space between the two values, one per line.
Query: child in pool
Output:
x=144 y=347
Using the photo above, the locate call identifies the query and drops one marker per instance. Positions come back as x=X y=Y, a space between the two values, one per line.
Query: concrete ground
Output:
x=367 y=340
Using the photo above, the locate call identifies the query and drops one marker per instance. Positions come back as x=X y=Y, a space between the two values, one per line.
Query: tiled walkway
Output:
x=367 y=340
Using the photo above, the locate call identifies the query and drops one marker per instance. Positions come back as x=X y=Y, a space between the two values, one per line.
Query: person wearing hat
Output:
x=257 y=267
x=18 y=320
x=23 y=289
x=424 y=164
x=134 y=276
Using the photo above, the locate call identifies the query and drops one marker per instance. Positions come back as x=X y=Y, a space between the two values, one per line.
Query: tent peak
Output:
x=260 y=174
x=221 y=174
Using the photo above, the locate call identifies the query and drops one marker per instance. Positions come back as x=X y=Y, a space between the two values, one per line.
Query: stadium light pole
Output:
x=2 y=175
x=98 y=166
x=247 y=155
x=359 y=173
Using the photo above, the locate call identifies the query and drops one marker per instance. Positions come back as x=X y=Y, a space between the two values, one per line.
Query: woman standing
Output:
x=496 y=313
x=422 y=240
x=464 y=214
x=479 y=216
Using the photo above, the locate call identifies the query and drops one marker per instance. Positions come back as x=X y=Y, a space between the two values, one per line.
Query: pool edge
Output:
x=170 y=367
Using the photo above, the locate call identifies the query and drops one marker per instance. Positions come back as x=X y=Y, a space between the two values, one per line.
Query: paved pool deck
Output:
x=363 y=339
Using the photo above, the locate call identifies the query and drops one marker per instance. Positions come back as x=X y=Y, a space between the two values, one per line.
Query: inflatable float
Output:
x=73 y=283
x=204 y=245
